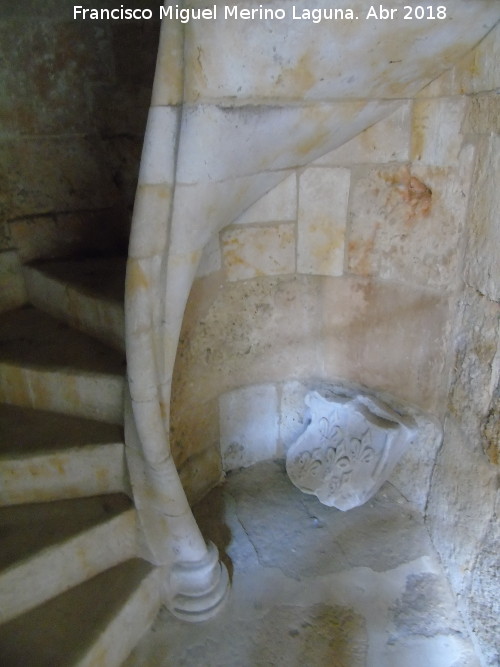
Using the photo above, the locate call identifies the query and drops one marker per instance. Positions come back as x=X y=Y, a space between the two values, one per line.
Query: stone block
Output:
x=148 y=236
x=475 y=72
x=436 y=137
x=157 y=162
x=56 y=174
x=293 y=417
x=483 y=229
x=385 y=141
x=247 y=332
x=277 y=205
x=232 y=142
x=297 y=59
x=248 y=425
x=44 y=95
x=323 y=197
x=169 y=76
x=66 y=234
x=257 y=251
x=211 y=206
x=406 y=222
x=387 y=337
x=482 y=114
x=12 y=287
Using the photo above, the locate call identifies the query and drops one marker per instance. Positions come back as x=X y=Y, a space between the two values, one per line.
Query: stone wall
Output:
x=347 y=269
x=463 y=506
x=74 y=101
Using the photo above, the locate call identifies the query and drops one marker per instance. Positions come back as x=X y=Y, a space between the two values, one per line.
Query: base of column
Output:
x=199 y=589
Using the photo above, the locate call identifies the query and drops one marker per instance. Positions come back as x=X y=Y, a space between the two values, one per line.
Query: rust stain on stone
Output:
x=412 y=191
x=361 y=253
x=300 y=78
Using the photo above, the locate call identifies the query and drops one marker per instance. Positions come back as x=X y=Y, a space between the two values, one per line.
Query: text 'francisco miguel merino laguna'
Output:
x=229 y=12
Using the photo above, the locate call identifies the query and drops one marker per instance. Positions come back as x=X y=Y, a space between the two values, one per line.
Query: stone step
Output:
x=46 y=548
x=50 y=456
x=88 y=294
x=45 y=364
x=96 y=623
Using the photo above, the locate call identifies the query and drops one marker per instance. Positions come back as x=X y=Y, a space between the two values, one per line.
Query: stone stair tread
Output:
x=29 y=337
x=102 y=277
x=27 y=431
x=63 y=630
x=26 y=530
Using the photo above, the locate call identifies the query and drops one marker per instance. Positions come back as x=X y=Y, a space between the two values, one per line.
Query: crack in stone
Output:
x=237 y=516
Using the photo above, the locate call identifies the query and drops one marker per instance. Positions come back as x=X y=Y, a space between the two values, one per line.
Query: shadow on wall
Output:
x=75 y=115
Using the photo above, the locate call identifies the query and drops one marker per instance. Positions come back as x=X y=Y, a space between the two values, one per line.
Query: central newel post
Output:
x=196 y=583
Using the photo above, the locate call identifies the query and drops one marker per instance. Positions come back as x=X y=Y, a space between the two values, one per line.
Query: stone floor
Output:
x=313 y=586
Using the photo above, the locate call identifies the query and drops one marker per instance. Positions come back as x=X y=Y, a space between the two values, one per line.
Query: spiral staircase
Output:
x=73 y=590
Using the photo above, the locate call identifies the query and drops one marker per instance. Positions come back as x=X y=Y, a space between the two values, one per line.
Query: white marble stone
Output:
x=385 y=141
x=240 y=141
x=349 y=448
x=277 y=205
x=297 y=59
x=211 y=258
x=436 y=130
x=159 y=144
x=202 y=209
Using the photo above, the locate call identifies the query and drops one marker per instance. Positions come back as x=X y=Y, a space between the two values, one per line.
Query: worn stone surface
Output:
x=402 y=351
x=66 y=234
x=74 y=103
x=484 y=603
x=248 y=426
x=483 y=255
x=257 y=251
x=385 y=141
x=349 y=447
x=278 y=204
x=246 y=332
x=269 y=329
x=462 y=505
x=475 y=72
x=406 y=223
x=211 y=259
x=436 y=137
x=323 y=196
x=72 y=179
x=291 y=65
x=12 y=287
x=312 y=585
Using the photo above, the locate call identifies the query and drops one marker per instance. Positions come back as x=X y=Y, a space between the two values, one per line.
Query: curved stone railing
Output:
x=237 y=103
